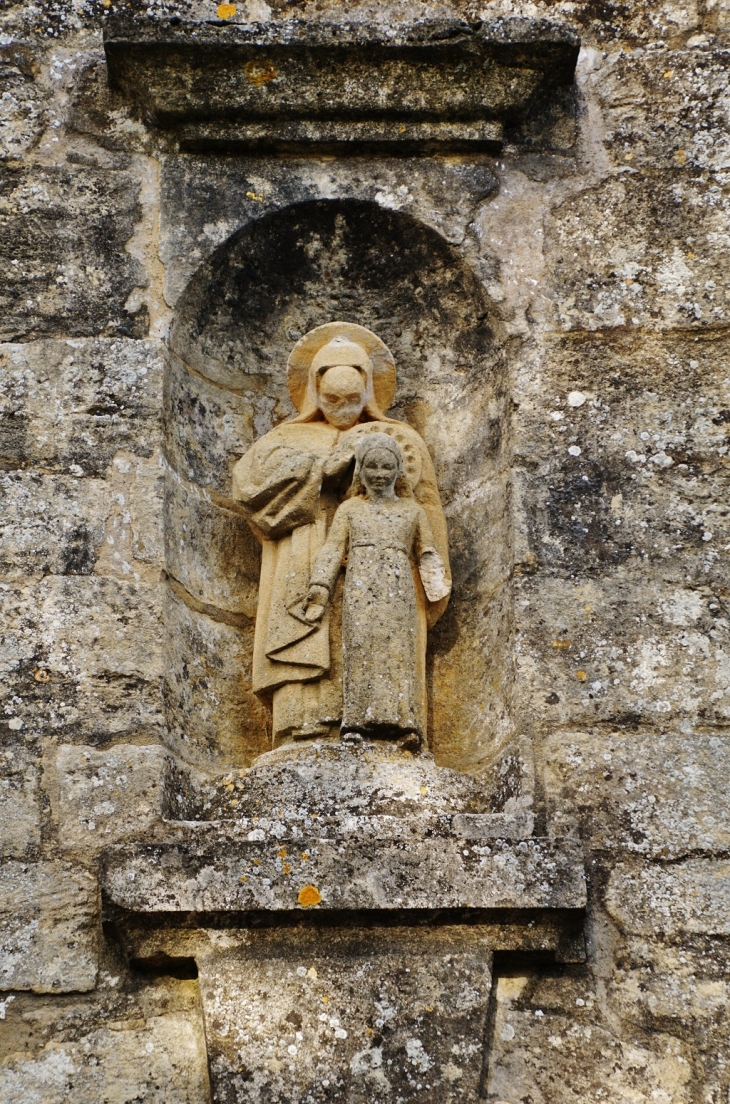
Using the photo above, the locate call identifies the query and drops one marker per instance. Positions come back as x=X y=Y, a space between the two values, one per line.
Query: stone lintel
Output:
x=316 y=874
x=298 y=83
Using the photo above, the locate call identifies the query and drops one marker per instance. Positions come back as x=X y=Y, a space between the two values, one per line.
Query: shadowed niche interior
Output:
x=271 y=282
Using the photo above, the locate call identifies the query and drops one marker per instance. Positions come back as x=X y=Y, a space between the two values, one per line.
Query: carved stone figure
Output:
x=384 y=537
x=342 y=380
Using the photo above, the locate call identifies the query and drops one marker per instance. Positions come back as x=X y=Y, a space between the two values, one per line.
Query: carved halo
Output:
x=381 y=358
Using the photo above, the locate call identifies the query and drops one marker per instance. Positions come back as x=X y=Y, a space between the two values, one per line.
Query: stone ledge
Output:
x=356 y=874
x=301 y=82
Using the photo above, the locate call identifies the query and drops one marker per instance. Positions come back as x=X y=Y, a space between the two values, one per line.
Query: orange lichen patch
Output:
x=305 y=856
x=226 y=11
x=325 y=1000
x=41 y=676
x=561 y=644
x=286 y=869
x=244 y=877
x=309 y=896
x=281 y=852
x=257 y=72
x=582 y=675
x=680 y=157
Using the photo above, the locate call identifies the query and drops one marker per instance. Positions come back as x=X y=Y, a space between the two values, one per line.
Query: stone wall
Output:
x=559 y=318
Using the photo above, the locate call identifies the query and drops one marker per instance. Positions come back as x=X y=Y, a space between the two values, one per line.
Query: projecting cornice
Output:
x=442 y=83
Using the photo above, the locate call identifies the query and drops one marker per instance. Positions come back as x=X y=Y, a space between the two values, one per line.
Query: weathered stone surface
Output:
x=162 y=1061
x=210 y=549
x=688 y=898
x=20 y=805
x=103 y=797
x=49 y=918
x=66 y=227
x=70 y=405
x=623 y=651
x=24 y=106
x=551 y=1043
x=213 y=716
x=66 y=670
x=652 y=793
x=375 y=1014
x=363 y=874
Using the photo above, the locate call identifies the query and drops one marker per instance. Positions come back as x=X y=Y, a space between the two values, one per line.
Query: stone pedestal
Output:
x=344 y=923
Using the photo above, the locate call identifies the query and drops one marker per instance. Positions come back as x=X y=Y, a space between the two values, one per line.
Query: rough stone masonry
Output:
x=529 y=203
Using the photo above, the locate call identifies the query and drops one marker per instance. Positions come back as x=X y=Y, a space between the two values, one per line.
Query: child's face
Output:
x=379 y=470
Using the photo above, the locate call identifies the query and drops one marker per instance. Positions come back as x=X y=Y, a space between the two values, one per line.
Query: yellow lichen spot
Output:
x=106 y=3
x=286 y=869
x=226 y=11
x=41 y=675
x=581 y=675
x=259 y=72
x=309 y=896
x=312 y=972
x=628 y=157
x=254 y=196
x=561 y=644
x=668 y=75
x=402 y=129
x=256 y=862
x=423 y=790
x=325 y=1000
x=588 y=609
x=305 y=856
x=282 y=852
x=680 y=157
x=244 y=877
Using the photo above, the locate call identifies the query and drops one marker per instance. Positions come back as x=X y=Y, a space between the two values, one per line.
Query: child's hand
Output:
x=315 y=603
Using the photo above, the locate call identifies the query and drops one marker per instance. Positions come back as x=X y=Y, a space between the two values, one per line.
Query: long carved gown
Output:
x=383 y=677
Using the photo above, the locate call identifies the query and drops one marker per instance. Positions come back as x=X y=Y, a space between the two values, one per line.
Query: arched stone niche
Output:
x=235 y=324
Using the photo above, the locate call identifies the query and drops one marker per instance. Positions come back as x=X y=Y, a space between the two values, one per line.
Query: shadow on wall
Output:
x=235 y=325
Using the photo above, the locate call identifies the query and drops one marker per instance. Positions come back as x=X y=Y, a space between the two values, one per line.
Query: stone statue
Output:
x=341 y=379
x=380 y=535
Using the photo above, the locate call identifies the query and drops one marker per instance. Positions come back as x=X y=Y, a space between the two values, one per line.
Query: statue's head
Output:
x=341 y=372
x=378 y=462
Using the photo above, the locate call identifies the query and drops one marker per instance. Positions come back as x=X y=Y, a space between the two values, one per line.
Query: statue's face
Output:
x=342 y=396
x=379 y=470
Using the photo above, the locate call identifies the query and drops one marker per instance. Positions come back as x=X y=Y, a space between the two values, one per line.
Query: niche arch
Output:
x=234 y=325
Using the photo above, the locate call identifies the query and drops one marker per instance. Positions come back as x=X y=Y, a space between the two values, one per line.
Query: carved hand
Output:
x=316 y=602
x=339 y=461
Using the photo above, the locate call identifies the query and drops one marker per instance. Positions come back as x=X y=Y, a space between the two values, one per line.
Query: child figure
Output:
x=393 y=569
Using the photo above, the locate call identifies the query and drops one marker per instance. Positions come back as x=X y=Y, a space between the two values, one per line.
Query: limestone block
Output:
x=162 y=1062
x=550 y=1044
x=205 y=200
x=664 y=109
x=656 y=794
x=213 y=716
x=82 y=655
x=24 y=104
x=648 y=259
x=367 y=1015
x=688 y=898
x=49 y=917
x=103 y=797
x=72 y=405
x=133 y=545
x=208 y=429
x=621 y=650
x=210 y=549
x=624 y=473
x=658 y=983
x=197 y=873
x=68 y=225
x=51 y=524
x=20 y=812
